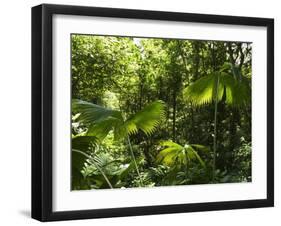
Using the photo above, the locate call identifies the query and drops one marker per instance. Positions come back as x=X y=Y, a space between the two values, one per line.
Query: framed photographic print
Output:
x=146 y=112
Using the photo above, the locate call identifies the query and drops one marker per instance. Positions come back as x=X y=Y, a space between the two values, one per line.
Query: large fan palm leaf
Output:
x=102 y=120
x=83 y=142
x=237 y=90
x=92 y=113
x=204 y=90
x=212 y=89
x=175 y=153
x=146 y=119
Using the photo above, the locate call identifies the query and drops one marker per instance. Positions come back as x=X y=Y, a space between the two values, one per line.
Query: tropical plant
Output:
x=81 y=148
x=78 y=181
x=213 y=88
x=174 y=153
x=100 y=170
x=125 y=74
x=97 y=163
x=102 y=120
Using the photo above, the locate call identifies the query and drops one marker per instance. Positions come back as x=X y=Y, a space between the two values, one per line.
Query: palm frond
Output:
x=83 y=142
x=101 y=120
x=201 y=147
x=77 y=163
x=92 y=113
x=101 y=128
x=237 y=90
x=176 y=153
x=146 y=119
x=167 y=155
x=103 y=161
x=169 y=143
x=203 y=91
x=197 y=156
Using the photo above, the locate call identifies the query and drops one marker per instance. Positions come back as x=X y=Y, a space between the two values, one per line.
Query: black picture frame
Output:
x=42 y=111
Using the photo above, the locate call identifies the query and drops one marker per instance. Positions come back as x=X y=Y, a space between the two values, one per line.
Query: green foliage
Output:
x=82 y=142
x=174 y=153
x=203 y=91
x=130 y=94
x=213 y=88
x=242 y=163
x=78 y=180
x=146 y=119
x=101 y=120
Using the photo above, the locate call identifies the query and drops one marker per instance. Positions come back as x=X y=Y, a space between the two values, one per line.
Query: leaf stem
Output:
x=96 y=165
x=215 y=129
x=134 y=159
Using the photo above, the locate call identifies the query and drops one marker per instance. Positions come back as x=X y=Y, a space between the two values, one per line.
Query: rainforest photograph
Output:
x=150 y=112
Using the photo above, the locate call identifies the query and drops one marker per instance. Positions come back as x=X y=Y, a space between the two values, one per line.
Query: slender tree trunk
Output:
x=192 y=137
x=235 y=113
x=196 y=59
x=174 y=114
x=140 y=98
x=232 y=135
x=216 y=110
x=195 y=77
x=215 y=130
x=146 y=151
x=134 y=159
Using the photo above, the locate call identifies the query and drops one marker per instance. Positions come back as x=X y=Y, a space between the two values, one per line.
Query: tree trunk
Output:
x=134 y=159
x=232 y=135
x=146 y=151
x=216 y=110
x=174 y=115
x=195 y=77
x=215 y=130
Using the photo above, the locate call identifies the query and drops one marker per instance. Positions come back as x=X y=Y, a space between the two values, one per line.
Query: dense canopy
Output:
x=154 y=112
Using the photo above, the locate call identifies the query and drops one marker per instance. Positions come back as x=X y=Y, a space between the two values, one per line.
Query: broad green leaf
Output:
x=83 y=142
x=101 y=120
x=146 y=119
x=203 y=91
x=177 y=154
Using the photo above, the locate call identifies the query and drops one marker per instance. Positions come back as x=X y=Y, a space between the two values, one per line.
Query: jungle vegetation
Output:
x=156 y=112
